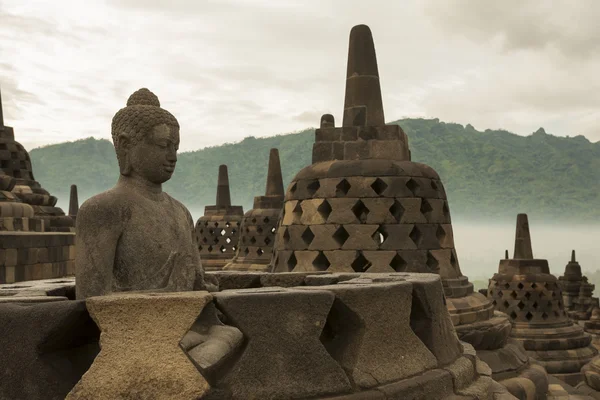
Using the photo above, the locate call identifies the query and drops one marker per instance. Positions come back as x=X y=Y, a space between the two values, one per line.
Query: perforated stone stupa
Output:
x=218 y=231
x=255 y=247
x=364 y=206
x=577 y=293
x=35 y=236
x=524 y=289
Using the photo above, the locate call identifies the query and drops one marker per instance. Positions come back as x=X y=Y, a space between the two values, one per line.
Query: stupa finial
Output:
x=506 y=254
x=223 y=195
x=523 y=239
x=362 y=105
x=573 y=259
x=274 y=177
x=1 y=113
x=73 y=202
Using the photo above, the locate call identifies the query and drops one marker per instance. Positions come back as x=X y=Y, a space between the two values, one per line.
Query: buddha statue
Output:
x=135 y=237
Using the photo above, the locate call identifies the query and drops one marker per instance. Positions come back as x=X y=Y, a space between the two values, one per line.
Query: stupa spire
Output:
x=1 y=114
x=274 y=177
x=73 y=202
x=573 y=259
x=523 y=249
x=506 y=254
x=223 y=195
x=362 y=105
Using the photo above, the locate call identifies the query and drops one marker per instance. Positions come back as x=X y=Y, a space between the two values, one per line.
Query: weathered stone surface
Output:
x=141 y=356
x=290 y=361
x=46 y=348
x=135 y=236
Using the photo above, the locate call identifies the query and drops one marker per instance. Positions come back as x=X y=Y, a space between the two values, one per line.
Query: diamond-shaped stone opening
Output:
x=513 y=294
x=216 y=224
x=209 y=248
x=307 y=236
x=252 y=240
x=434 y=185
x=228 y=240
x=521 y=305
x=253 y=220
x=201 y=231
x=549 y=304
x=292 y=262
x=535 y=305
x=440 y=233
x=500 y=293
x=513 y=315
x=342 y=188
x=529 y=316
x=211 y=232
x=360 y=264
x=266 y=220
x=200 y=248
x=227 y=225
x=556 y=314
x=216 y=240
x=233 y=231
x=260 y=252
x=559 y=304
x=446 y=210
x=520 y=285
x=205 y=223
x=273 y=230
x=397 y=210
x=453 y=260
x=425 y=207
x=412 y=185
x=259 y=230
x=528 y=295
x=360 y=211
x=398 y=264
x=506 y=304
x=553 y=294
x=541 y=294
x=432 y=263
x=247 y=251
x=298 y=210
x=247 y=229
x=379 y=186
x=204 y=240
x=267 y=241
x=340 y=236
x=415 y=235
x=544 y=316
x=223 y=232
x=546 y=285
x=313 y=186
x=324 y=209
x=222 y=249
x=293 y=188
x=506 y=285
x=321 y=262
x=533 y=285
x=286 y=236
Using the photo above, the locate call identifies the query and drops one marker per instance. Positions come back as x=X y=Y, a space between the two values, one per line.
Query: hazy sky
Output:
x=233 y=68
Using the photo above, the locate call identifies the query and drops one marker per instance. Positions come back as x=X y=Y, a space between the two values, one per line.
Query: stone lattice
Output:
x=255 y=246
x=525 y=290
x=218 y=231
x=577 y=293
x=365 y=206
x=36 y=239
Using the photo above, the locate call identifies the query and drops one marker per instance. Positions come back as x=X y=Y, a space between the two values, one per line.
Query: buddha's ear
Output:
x=123 y=154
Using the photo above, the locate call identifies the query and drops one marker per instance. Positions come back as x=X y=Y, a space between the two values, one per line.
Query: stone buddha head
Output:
x=146 y=139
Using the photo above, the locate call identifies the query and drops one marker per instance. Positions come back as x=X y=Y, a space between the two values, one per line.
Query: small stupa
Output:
x=364 y=206
x=576 y=291
x=525 y=289
x=255 y=246
x=16 y=163
x=218 y=231
x=73 y=203
x=37 y=239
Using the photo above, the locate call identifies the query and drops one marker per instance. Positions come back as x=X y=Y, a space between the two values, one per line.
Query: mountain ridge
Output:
x=487 y=174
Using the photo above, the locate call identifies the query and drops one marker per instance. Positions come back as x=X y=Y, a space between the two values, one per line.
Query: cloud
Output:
x=235 y=68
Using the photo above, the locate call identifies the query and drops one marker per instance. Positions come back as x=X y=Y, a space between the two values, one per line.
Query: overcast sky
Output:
x=228 y=69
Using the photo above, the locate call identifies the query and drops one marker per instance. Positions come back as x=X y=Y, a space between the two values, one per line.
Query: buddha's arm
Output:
x=99 y=227
x=199 y=282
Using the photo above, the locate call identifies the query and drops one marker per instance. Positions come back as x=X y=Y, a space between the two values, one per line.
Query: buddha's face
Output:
x=154 y=157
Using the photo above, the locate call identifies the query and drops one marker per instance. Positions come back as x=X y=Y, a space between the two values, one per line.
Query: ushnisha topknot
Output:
x=143 y=112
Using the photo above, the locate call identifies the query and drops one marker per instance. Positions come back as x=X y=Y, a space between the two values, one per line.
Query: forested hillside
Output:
x=486 y=174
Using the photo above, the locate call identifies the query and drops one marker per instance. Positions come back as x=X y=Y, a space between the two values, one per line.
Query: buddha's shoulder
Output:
x=178 y=205
x=111 y=203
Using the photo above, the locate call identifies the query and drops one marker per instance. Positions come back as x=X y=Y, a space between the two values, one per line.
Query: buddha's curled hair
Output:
x=142 y=113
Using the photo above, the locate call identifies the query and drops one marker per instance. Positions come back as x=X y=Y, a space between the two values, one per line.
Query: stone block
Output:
x=356 y=150
x=322 y=151
x=328 y=135
x=290 y=362
x=132 y=357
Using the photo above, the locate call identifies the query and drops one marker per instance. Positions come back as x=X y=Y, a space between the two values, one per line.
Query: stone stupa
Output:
x=364 y=206
x=525 y=289
x=36 y=237
x=255 y=246
x=218 y=231
x=577 y=293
